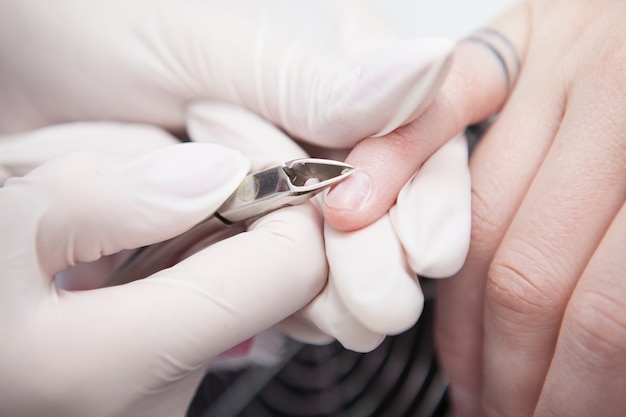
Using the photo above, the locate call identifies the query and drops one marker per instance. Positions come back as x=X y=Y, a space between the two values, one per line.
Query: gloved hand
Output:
x=139 y=349
x=372 y=289
x=325 y=71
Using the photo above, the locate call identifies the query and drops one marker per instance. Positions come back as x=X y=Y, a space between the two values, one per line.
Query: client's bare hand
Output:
x=535 y=323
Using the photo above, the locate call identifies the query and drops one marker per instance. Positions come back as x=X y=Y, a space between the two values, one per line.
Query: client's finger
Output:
x=477 y=85
x=503 y=166
x=592 y=339
x=578 y=190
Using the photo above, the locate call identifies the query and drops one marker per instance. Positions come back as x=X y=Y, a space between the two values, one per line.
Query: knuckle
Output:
x=598 y=324
x=609 y=31
x=483 y=216
x=459 y=87
x=515 y=285
x=485 y=224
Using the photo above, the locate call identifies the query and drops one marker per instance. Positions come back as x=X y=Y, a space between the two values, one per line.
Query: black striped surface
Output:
x=398 y=379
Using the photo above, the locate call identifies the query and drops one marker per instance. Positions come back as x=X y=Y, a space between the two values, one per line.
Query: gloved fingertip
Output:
x=241 y=129
x=400 y=83
x=4 y=175
x=190 y=170
x=368 y=270
x=395 y=311
x=98 y=204
x=304 y=331
x=362 y=344
x=432 y=214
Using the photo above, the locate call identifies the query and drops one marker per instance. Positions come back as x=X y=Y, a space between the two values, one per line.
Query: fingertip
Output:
x=299 y=328
x=383 y=165
x=328 y=315
x=347 y=206
x=363 y=345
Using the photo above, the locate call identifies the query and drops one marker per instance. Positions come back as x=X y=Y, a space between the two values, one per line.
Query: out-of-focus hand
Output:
x=372 y=289
x=325 y=71
x=139 y=349
x=534 y=324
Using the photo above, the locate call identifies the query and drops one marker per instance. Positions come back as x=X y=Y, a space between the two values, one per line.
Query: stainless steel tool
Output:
x=289 y=184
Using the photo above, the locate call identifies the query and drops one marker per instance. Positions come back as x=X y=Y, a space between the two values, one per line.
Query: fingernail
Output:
x=352 y=193
x=464 y=403
x=190 y=170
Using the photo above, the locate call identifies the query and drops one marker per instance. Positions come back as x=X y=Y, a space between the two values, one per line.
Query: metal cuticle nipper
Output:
x=289 y=184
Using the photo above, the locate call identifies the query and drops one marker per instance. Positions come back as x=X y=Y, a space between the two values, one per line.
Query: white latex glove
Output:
x=21 y=153
x=372 y=289
x=325 y=71
x=139 y=349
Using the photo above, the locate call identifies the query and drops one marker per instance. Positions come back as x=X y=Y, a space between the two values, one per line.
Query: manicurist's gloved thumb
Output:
x=138 y=349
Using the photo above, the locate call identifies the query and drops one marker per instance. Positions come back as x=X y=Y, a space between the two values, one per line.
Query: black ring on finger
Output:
x=502 y=49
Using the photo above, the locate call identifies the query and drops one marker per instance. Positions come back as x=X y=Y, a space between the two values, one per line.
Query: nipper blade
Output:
x=289 y=184
x=316 y=173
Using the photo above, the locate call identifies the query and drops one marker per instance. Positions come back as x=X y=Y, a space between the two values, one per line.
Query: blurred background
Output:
x=450 y=18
